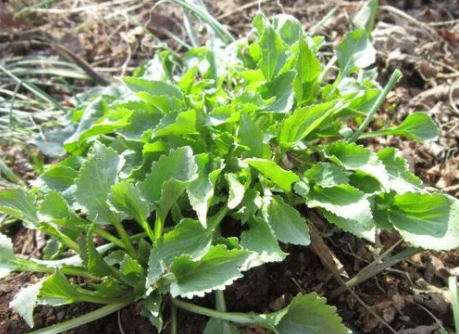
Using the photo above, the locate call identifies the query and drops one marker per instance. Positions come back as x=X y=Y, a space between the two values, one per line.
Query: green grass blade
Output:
x=216 y=26
x=9 y=174
x=33 y=89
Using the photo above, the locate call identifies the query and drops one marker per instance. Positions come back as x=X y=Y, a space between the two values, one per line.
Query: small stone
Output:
x=277 y=304
x=60 y=316
x=404 y=318
x=389 y=314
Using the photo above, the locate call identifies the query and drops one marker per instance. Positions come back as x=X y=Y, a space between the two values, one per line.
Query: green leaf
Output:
x=6 y=248
x=92 y=259
x=19 y=203
x=114 y=120
x=55 y=209
x=362 y=228
x=288 y=28
x=215 y=270
x=152 y=87
x=93 y=112
x=287 y=223
x=305 y=120
x=98 y=174
x=177 y=124
x=417 y=126
x=366 y=183
x=250 y=204
x=250 y=135
x=326 y=174
x=236 y=190
x=365 y=18
x=250 y=101
x=401 y=179
x=56 y=288
x=130 y=266
x=355 y=157
x=144 y=117
x=260 y=239
x=57 y=178
x=273 y=53
x=282 y=178
x=188 y=237
x=308 y=314
x=152 y=310
x=179 y=165
x=430 y=221
x=308 y=69
x=282 y=89
x=214 y=326
x=125 y=198
x=343 y=200
x=7 y=256
x=201 y=190
x=24 y=302
x=355 y=52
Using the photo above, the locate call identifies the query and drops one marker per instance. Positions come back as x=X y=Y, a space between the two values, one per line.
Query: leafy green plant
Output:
x=249 y=132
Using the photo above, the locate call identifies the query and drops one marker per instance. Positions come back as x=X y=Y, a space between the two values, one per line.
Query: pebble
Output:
x=60 y=316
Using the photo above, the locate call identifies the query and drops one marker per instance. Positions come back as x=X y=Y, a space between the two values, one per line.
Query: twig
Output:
x=317 y=239
x=242 y=8
x=432 y=32
x=439 y=323
x=451 y=98
x=78 y=9
x=447 y=75
x=440 y=93
x=70 y=56
x=120 y=325
x=443 y=23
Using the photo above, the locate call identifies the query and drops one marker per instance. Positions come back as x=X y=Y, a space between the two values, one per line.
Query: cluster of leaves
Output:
x=249 y=132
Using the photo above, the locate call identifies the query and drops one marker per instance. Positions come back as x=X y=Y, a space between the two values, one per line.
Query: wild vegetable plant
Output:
x=249 y=132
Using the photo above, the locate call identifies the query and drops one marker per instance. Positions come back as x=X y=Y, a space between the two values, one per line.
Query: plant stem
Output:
x=220 y=301
x=218 y=217
x=327 y=68
x=173 y=319
x=146 y=226
x=125 y=239
x=379 y=101
x=25 y=265
x=236 y=317
x=158 y=226
x=108 y=236
x=89 y=317
x=64 y=239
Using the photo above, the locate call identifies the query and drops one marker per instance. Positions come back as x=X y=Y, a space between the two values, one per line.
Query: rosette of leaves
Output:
x=250 y=132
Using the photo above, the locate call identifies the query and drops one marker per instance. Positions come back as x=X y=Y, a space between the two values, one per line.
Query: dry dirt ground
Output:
x=111 y=38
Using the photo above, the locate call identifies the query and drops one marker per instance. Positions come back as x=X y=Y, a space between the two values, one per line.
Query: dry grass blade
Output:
x=454 y=300
x=203 y=15
x=332 y=263
x=67 y=54
x=33 y=89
